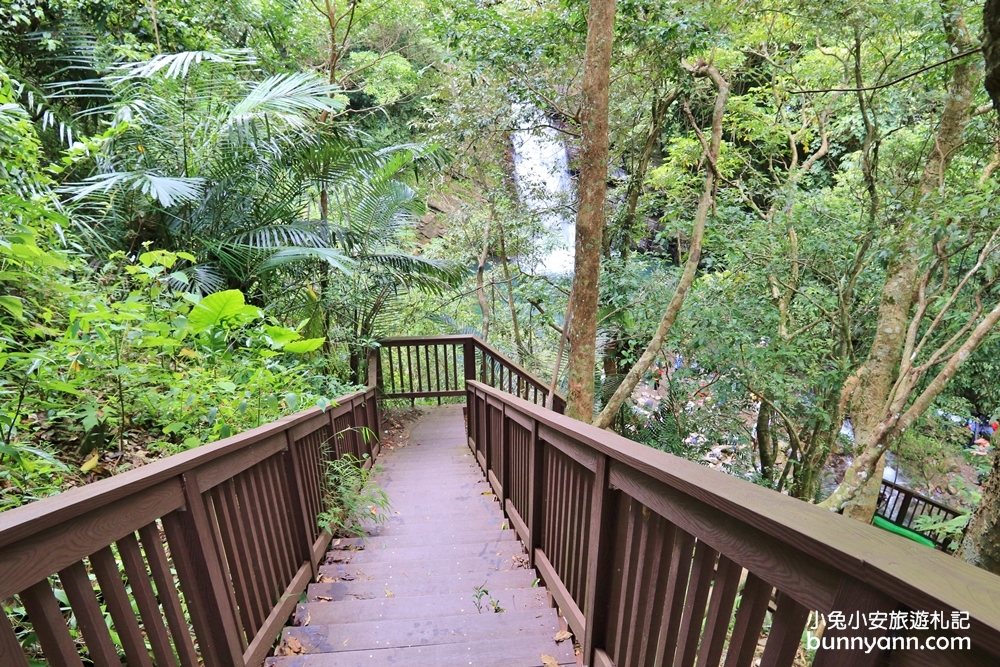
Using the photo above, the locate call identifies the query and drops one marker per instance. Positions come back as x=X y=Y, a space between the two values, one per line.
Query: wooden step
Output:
x=427 y=568
x=513 y=626
x=523 y=652
x=402 y=587
x=442 y=537
x=425 y=606
x=412 y=554
x=429 y=524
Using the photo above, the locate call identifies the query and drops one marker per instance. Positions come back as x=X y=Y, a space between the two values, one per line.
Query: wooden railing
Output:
x=902 y=506
x=656 y=560
x=223 y=538
x=438 y=366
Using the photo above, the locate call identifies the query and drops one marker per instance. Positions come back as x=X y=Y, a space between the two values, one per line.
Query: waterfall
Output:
x=541 y=171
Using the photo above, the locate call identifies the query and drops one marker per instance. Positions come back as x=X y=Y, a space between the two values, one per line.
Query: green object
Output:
x=885 y=524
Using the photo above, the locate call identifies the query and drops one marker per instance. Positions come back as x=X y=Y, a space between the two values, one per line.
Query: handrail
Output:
x=645 y=552
x=231 y=525
x=902 y=505
x=439 y=366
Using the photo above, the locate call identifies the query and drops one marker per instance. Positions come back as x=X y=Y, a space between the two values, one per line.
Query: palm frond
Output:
x=288 y=96
x=331 y=256
x=166 y=190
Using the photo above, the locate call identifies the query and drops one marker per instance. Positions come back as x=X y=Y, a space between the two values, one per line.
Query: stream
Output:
x=541 y=171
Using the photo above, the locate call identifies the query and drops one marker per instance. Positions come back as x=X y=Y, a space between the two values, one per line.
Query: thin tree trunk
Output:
x=518 y=342
x=590 y=215
x=980 y=545
x=657 y=114
x=635 y=374
x=764 y=442
x=484 y=305
x=880 y=370
x=559 y=353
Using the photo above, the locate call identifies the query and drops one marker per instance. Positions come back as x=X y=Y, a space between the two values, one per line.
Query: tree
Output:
x=593 y=117
x=877 y=383
x=711 y=157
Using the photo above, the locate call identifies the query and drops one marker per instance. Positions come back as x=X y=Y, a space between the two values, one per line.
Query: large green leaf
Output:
x=215 y=308
x=303 y=346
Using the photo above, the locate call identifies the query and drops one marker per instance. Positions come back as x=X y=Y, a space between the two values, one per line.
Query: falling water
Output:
x=541 y=171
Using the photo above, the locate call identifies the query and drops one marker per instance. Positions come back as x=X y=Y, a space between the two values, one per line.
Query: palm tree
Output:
x=302 y=216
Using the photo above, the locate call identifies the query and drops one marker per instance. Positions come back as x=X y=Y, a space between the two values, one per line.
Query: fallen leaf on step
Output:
x=327 y=580
x=549 y=661
x=562 y=636
x=487 y=493
x=324 y=598
x=347 y=640
x=389 y=594
x=291 y=646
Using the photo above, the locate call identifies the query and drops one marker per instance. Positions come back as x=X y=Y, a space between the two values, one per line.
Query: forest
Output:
x=763 y=235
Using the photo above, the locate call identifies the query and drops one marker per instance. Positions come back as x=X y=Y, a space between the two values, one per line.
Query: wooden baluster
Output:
x=166 y=589
x=120 y=607
x=536 y=489
x=89 y=619
x=50 y=626
x=720 y=610
x=300 y=520
x=145 y=600
x=786 y=632
x=749 y=619
x=193 y=549
x=10 y=649
x=469 y=359
x=597 y=595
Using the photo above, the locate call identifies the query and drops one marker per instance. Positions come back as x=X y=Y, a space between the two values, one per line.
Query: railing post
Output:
x=536 y=492
x=199 y=568
x=598 y=588
x=469 y=358
x=300 y=523
x=853 y=596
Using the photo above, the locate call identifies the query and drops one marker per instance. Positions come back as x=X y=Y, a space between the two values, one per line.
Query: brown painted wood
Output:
x=264 y=639
x=10 y=649
x=720 y=611
x=574 y=617
x=786 y=632
x=166 y=590
x=813 y=583
x=217 y=471
x=677 y=579
x=33 y=558
x=234 y=543
x=599 y=559
x=89 y=619
x=890 y=564
x=655 y=609
x=145 y=599
x=201 y=578
x=694 y=605
x=50 y=626
x=116 y=599
x=855 y=596
x=749 y=618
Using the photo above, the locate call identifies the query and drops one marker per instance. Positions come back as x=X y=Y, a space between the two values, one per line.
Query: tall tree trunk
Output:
x=879 y=372
x=635 y=374
x=590 y=215
x=981 y=543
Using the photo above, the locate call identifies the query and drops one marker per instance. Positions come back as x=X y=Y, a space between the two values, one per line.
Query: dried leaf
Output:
x=91 y=463
x=389 y=594
x=292 y=646
x=549 y=661
x=487 y=493
x=562 y=636
x=324 y=598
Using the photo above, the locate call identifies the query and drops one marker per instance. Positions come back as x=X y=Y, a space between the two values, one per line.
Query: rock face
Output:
x=442 y=204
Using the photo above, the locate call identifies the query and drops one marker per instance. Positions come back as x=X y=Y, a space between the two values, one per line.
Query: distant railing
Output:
x=902 y=506
x=656 y=560
x=438 y=366
x=226 y=533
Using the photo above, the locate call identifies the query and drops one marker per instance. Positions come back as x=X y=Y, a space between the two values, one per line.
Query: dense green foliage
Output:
x=350 y=176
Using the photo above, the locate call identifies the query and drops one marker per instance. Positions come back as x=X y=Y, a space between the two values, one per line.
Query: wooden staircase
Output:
x=443 y=582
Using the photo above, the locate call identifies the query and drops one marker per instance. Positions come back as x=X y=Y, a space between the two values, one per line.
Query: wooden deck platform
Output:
x=410 y=593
